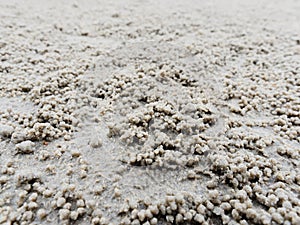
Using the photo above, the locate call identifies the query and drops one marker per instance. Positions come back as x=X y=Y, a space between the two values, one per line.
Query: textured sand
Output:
x=150 y=112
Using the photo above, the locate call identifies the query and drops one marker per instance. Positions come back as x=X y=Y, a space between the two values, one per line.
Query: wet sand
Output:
x=149 y=112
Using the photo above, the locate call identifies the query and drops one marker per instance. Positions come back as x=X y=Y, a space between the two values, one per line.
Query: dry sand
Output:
x=150 y=112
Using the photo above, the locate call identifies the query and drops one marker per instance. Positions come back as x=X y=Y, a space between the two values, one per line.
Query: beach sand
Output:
x=150 y=112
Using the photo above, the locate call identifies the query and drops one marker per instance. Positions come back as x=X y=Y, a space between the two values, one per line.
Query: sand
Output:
x=149 y=112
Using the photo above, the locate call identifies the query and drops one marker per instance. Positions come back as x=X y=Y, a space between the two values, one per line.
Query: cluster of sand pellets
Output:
x=149 y=112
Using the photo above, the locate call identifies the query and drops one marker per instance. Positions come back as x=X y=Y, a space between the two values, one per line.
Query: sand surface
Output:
x=150 y=112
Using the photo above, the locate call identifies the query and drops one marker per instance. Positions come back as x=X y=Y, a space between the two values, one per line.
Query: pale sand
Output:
x=149 y=112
